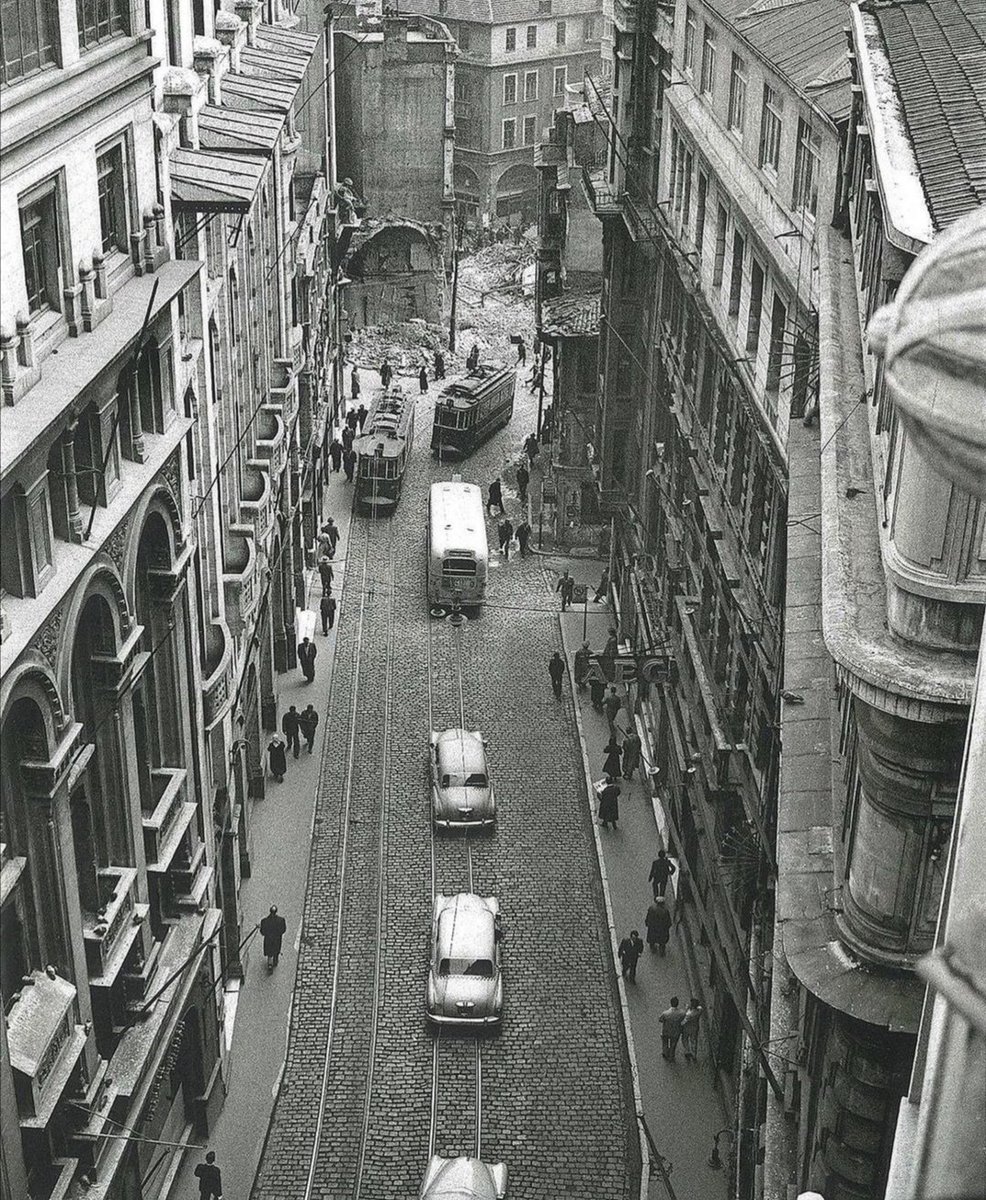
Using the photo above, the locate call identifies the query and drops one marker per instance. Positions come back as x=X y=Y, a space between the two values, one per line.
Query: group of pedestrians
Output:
x=295 y=726
x=506 y=531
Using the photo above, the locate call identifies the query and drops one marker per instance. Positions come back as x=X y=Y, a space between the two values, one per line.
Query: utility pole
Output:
x=456 y=238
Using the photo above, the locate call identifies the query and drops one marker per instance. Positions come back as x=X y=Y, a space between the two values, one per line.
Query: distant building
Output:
x=516 y=58
x=394 y=89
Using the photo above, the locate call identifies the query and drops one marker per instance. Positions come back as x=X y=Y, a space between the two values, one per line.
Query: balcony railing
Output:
x=240 y=578
x=104 y=933
x=257 y=502
x=602 y=195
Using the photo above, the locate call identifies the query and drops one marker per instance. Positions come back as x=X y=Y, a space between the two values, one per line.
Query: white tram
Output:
x=458 y=553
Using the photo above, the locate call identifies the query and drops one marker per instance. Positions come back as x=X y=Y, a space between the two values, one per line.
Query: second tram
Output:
x=472 y=408
x=458 y=553
x=382 y=451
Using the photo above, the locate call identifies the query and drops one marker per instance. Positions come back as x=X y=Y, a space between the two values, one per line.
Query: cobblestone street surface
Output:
x=557 y=1103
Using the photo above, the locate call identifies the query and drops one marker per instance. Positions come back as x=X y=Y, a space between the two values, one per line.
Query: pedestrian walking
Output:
x=352 y=420
x=439 y=365
x=531 y=447
x=611 y=707
x=349 y=463
x=609 y=803
x=658 y=922
x=689 y=1028
x=277 y=760
x=629 y=954
x=612 y=647
x=307 y=652
x=348 y=437
x=565 y=585
x=581 y=668
x=611 y=763
x=661 y=870
x=521 y=352
x=495 y=497
x=354 y=384
x=308 y=721
x=537 y=374
x=603 y=590
x=556 y=669
x=290 y=727
x=210 y=1178
x=523 y=535
x=330 y=531
x=547 y=425
x=423 y=380
x=631 y=752
x=386 y=372
x=505 y=532
x=272 y=930
x=597 y=693
x=523 y=479
x=472 y=359
x=671 y=1020
x=325 y=573
x=327 y=611
x=361 y=414
x=335 y=453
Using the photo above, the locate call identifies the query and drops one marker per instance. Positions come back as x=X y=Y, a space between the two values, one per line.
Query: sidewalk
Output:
x=258 y=1009
x=681 y=1107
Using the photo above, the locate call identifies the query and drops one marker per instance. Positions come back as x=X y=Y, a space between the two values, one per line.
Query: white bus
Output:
x=457 y=550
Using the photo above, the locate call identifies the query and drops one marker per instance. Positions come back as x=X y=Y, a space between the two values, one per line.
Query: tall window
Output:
x=532 y=36
x=775 y=357
x=737 y=95
x=114 y=223
x=691 y=37
x=806 y=168
x=756 y=311
x=703 y=192
x=101 y=19
x=722 y=216
x=509 y=134
x=560 y=33
x=511 y=38
x=530 y=85
x=464 y=38
x=510 y=89
x=708 y=62
x=529 y=130
x=588 y=29
x=41 y=247
x=770 y=128
x=736 y=274
x=561 y=78
x=30 y=37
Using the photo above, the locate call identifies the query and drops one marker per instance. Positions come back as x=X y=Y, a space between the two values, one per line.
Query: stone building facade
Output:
x=157 y=441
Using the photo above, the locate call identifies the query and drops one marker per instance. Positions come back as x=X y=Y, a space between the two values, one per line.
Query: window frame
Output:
x=561 y=33
x=464 y=38
x=807 y=169
x=689 y=43
x=511 y=78
x=512 y=122
x=771 y=129
x=510 y=39
x=719 y=264
x=528 y=76
x=530 y=123
x=41 y=54
x=532 y=37
x=707 y=81
x=559 y=73
x=112 y=20
x=52 y=249
x=738 y=87
x=118 y=145
x=588 y=29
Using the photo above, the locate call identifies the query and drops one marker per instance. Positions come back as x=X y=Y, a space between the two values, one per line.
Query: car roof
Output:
x=460 y=751
x=465 y=927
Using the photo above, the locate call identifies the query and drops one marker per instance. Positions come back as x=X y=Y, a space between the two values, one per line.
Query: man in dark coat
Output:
x=581 y=665
x=361 y=414
x=330 y=530
x=523 y=479
x=611 y=763
x=523 y=534
x=495 y=499
x=472 y=362
x=355 y=384
x=556 y=669
x=603 y=590
x=631 y=753
x=290 y=727
x=629 y=952
x=661 y=870
x=277 y=759
x=505 y=532
x=348 y=437
x=658 y=922
x=597 y=693
x=609 y=803
x=335 y=453
x=565 y=585
x=349 y=463
x=423 y=380
x=308 y=720
x=352 y=420
x=327 y=609
x=439 y=365
x=386 y=372
x=272 y=930
x=210 y=1178
x=531 y=447
x=611 y=707
x=306 y=659
x=521 y=352
x=671 y=1021
x=325 y=573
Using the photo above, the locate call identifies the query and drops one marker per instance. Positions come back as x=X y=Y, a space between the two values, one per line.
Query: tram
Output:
x=458 y=553
x=382 y=451
x=471 y=409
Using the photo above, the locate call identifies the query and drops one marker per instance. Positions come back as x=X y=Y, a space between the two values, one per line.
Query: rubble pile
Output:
x=404 y=344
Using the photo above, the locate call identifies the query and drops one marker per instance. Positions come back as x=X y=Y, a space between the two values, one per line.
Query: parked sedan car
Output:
x=461 y=793
x=465 y=984
x=464 y=1179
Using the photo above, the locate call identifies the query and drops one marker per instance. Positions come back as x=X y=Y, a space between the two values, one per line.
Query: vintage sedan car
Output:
x=465 y=983
x=461 y=793
x=464 y=1179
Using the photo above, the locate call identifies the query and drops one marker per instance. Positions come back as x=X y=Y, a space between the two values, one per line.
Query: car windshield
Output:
x=480 y=968
x=475 y=780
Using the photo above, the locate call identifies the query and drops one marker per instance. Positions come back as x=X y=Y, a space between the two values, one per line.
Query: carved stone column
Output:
x=73 y=512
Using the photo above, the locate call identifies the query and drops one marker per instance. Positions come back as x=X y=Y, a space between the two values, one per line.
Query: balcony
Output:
x=109 y=934
x=190 y=877
x=217 y=684
x=257 y=501
x=272 y=442
x=241 y=583
x=45 y=1045
x=173 y=813
x=602 y=195
x=642 y=222
x=283 y=393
